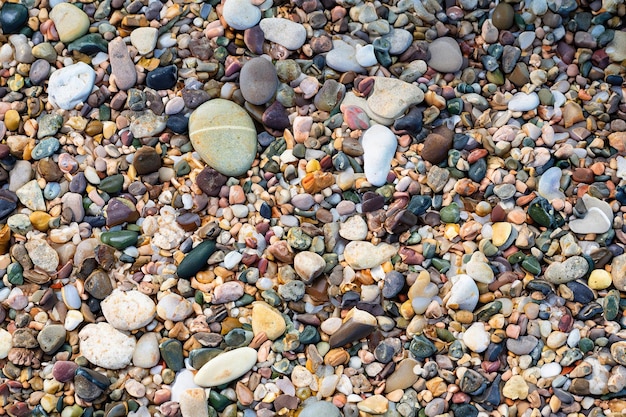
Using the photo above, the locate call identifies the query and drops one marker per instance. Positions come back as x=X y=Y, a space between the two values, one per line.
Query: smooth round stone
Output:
x=241 y=14
x=399 y=41
x=71 y=85
x=365 y=56
x=63 y=371
x=550 y=370
x=476 y=338
x=445 y=55
x=51 y=338
x=523 y=102
x=436 y=148
x=146 y=353
x=174 y=307
x=13 y=16
x=258 y=81
x=268 y=320
x=394 y=282
x=320 y=408
x=563 y=272
x=122 y=66
x=146 y=160
x=224 y=136
x=39 y=71
x=379 y=148
x=285 y=32
x=308 y=265
x=128 y=310
x=503 y=16
x=144 y=39
x=226 y=367
x=103 y=345
x=599 y=279
x=70 y=22
x=391 y=97
x=162 y=78
x=464 y=293
x=6 y=343
x=342 y=58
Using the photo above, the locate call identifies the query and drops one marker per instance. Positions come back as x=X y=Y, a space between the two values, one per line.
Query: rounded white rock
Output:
x=226 y=367
x=379 y=147
x=241 y=14
x=146 y=353
x=128 y=310
x=103 y=345
x=476 y=338
x=71 y=85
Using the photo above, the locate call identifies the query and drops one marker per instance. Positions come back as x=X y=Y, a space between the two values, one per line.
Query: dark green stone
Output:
x=478 y=170
x=89 y=44
x=15 y=274
x=541 y=211
x=218 y=401
x=196 y=260
x=442 y=265
x=531 y=264
x=421 y=347
x=456 y=350
x=455 y=106
x=516 y=258
x=450 y=214
x=182 y=168
x=309 y=335
x=112 y=184
x=198 y=357
x=585 y=344
x=238 y=337
x=445 y=335
x=172 y=354
x=611 y=305
x=488 y=311
x=245 y=300
x=419 y=204
x=120 y=239
x=12 y=17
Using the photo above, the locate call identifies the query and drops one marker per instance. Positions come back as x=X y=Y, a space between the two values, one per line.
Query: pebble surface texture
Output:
x=305 y=208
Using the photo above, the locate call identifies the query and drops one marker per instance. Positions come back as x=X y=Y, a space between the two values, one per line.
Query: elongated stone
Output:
x=356 y=325
x=120 y=239
x=196 y=260
x=226 y=367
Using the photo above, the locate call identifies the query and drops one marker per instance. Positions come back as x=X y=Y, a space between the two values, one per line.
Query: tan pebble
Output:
x=599 y=279
x=12 y=120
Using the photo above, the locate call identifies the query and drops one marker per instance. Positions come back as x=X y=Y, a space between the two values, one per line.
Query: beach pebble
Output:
x=523 y=102
x=258 y=81
x=224 y=136
x=464 y=293
x=193 y=403
x=122 y=66
x=144 y=39
x=128 y=310
x=173 y=307
x=70 y=86
x=445 y=55
x=391 y=97
x=103 y=345
x=379 y=147
x=226 y=367
x=241 y=14
x=363 y=254
x=268 y=320
x=287 y=33
x=343 y=57
x=70 y=22
x=146 y=353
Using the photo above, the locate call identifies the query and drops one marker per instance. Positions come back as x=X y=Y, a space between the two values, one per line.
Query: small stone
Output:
x=476 y=338
x=71 y=85
x=503 y=16
x=285 y=32
x=320 y=408
x=618 y=272
x=258 y=81
x=403 y=377
x=146 y=160
x=309 y=265
x=42 y=255
x=122 y=66
x=522 y=346
x=342 y=58
x=445 y=55
x=241 y=14
x=6 y=343
x=393 y=284
x=224 y=136
x=51 y=338
x=391 y=97
x=376 y=404
x=174 y=307
x=103 y=345
x=562 y=272
x=364 y=255
x=379 y=147
x=227 y=292
x=266 y=319
x=128 y=310
x=436 y=148
x=70 y=22
x=13 y=16
x=226 y=367
x=146 y=353
x=464 y=293
x=144 y=39
x=162 y=78
x=193 y=403
x=63 y=371
x=599 y=279
x=516 y=388
x=523 y=102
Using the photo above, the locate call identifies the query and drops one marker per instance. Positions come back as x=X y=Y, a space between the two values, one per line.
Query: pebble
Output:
x=130 y=310
x=391 y=97
x=287 y=33
x=258 y=81
x=226 y=367
x=71 y=85
x=463 y=294
x=445 y=55
x=241 y=14
x=103 y=345
x=266 y=319
x=12 y=17
x=144 y=39
x=51 y=338
x=363 y=254
x=122 y=66
x=193 y=403
x=476 y=338
x=70 y=23
x=146 y=353
x=226 y=143
x=523 y=102
x=379 y=147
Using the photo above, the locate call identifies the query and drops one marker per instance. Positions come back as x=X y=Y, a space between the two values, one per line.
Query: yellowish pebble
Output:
x=501 y=232
x=599 y=279
x=12 y=120
x=40 y=220
x=313 y=165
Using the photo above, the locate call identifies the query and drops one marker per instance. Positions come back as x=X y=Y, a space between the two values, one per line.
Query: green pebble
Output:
x=488 y=311
x=611 y=305
x=297 y=239
x=421 y=347
x=15 y=274
x=531 y=264
x=218 y=401
x=245 y=300
x=445 y=335
x=112 y=184
x=442 y=265
x=196 y=259
x=120 y=239
x=172 y=354
x=182 y=168
x=72 y=411
x=585 y=344
x=450 y=213
x=89 y=44
x=198 y=357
